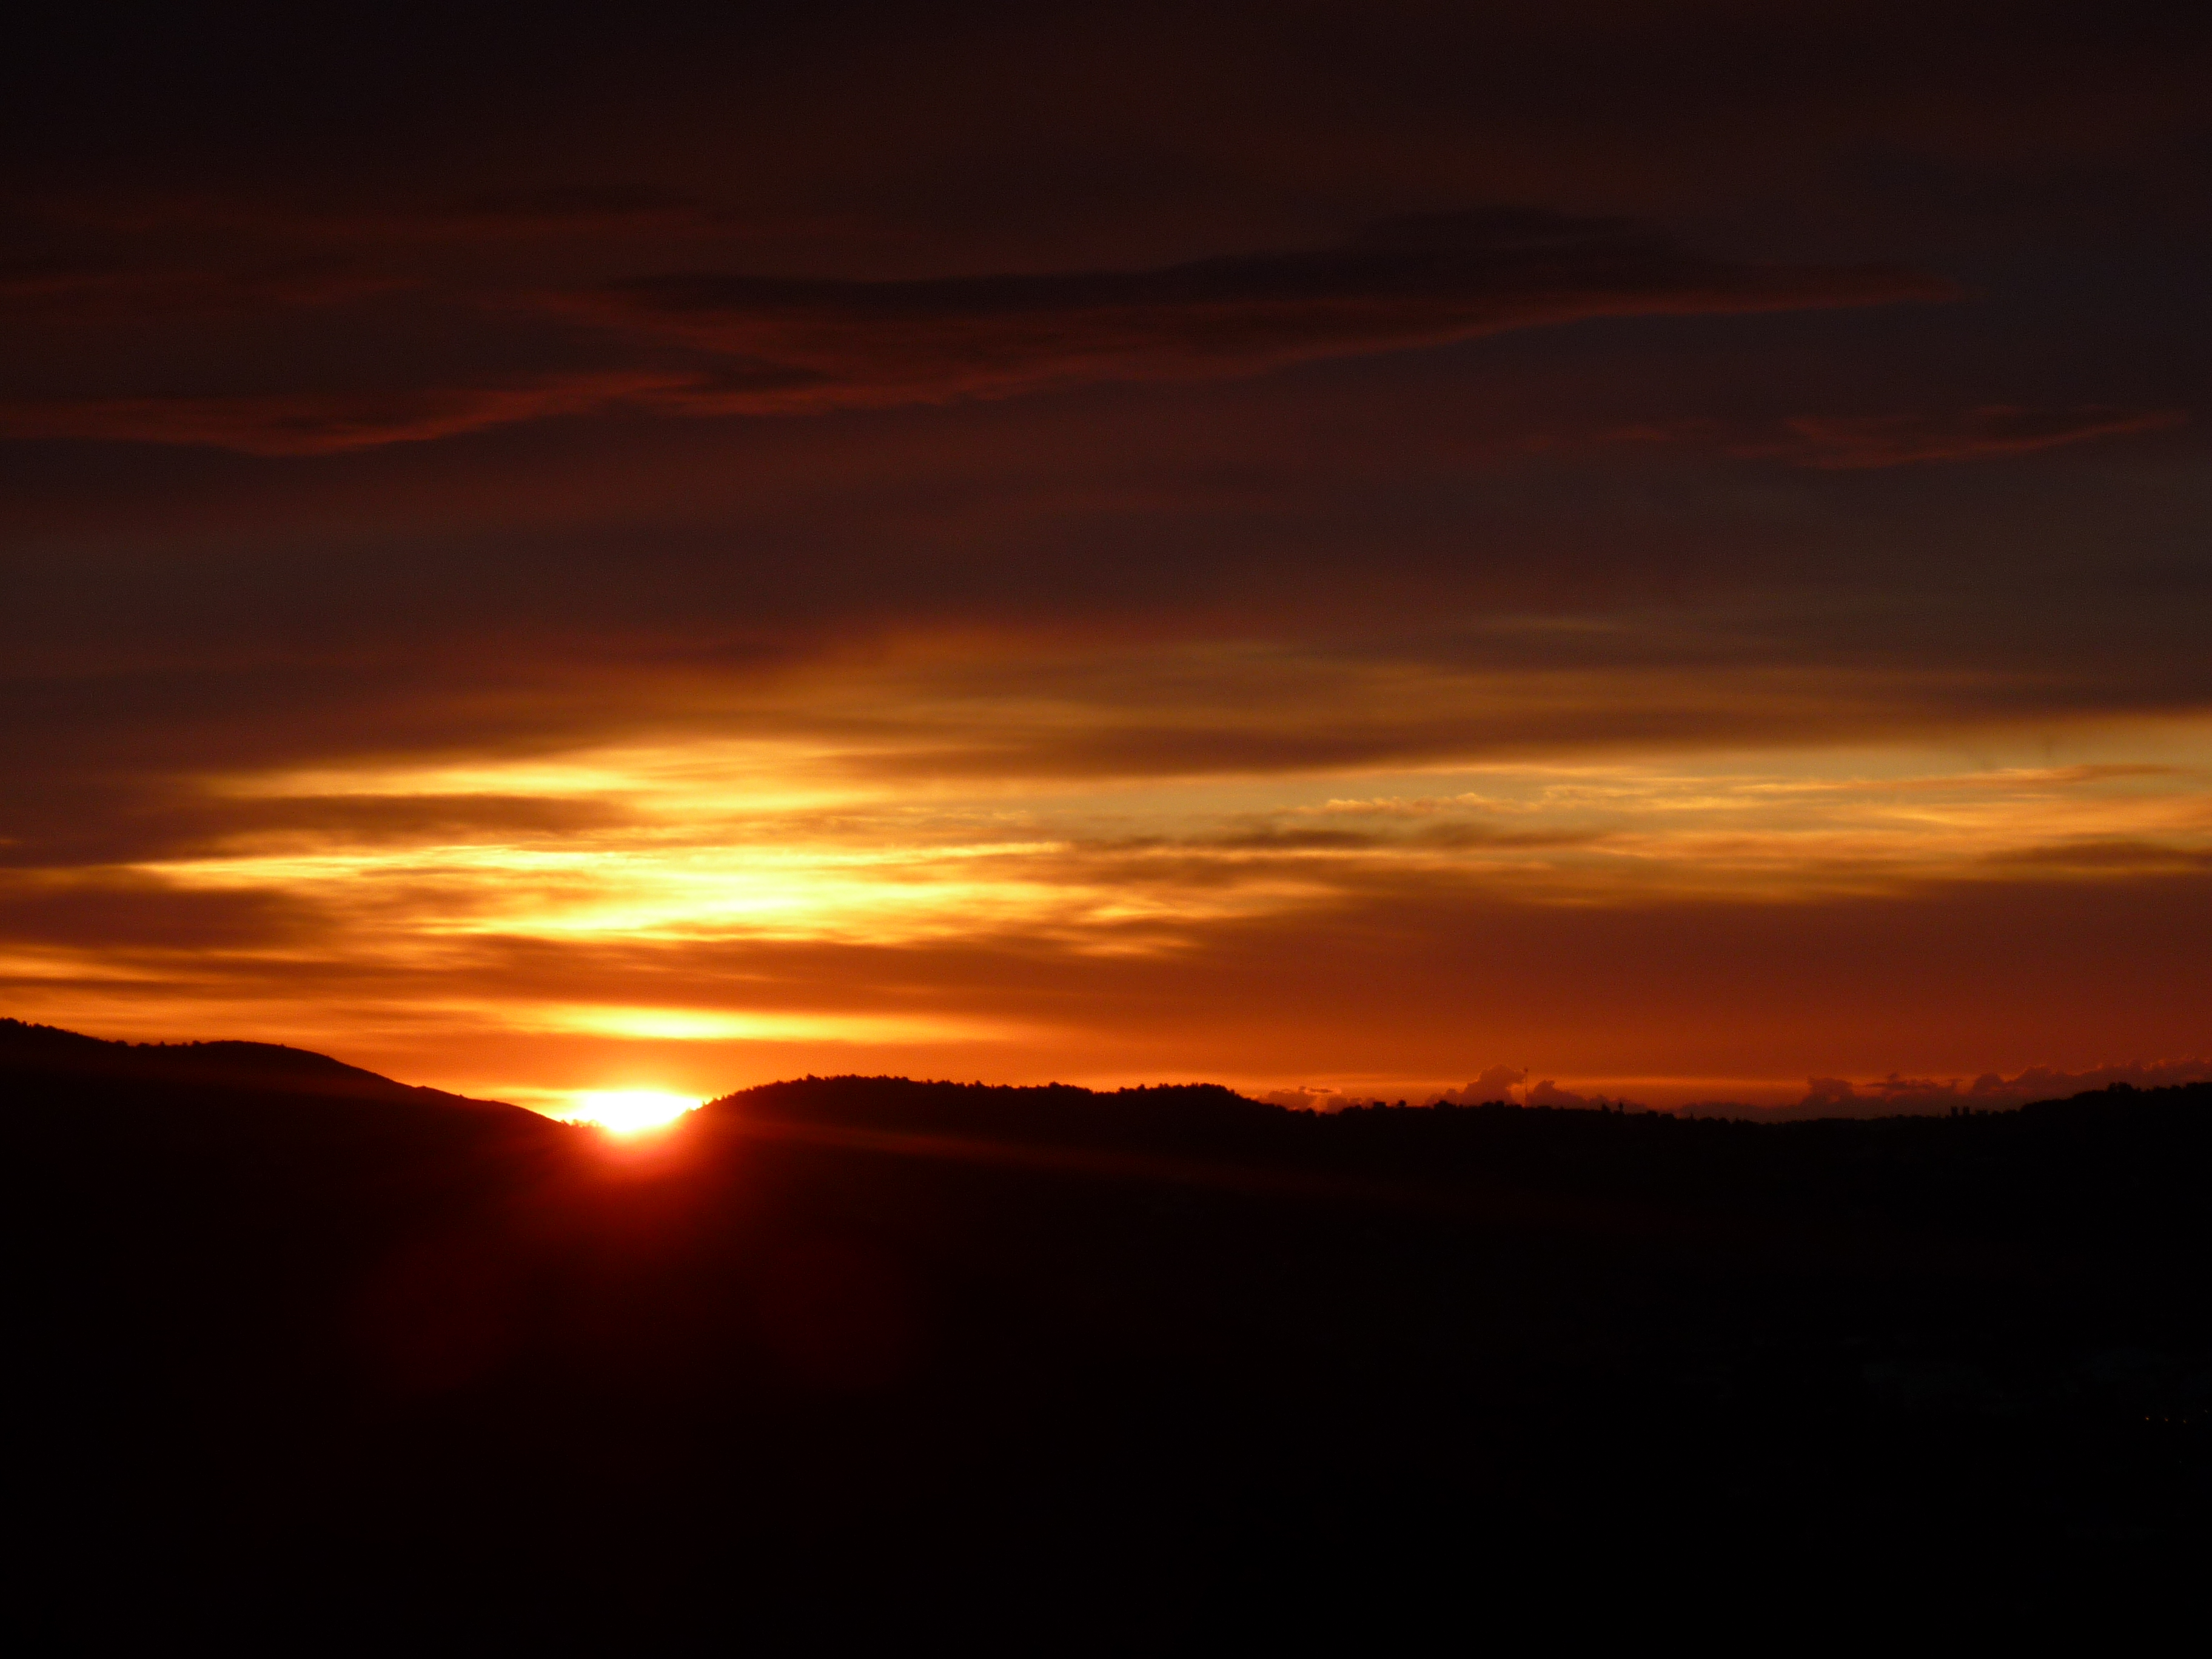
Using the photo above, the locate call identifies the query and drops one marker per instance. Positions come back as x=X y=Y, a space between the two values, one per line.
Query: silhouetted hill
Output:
x=880 y=1339
x=2116 y=1166
x=29 y=1051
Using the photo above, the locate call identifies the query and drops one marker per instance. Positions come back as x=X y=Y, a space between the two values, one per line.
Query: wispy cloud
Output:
x=1417 y=282
x=327 y=424
x=769 y=345
x=105 y=290
x=1831 y=1096
x=1852 y=443
x=1859 y=443
x=749 y=904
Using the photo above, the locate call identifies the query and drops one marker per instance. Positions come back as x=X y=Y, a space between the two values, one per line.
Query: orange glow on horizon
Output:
x=629 y=1111
x=1676 y=925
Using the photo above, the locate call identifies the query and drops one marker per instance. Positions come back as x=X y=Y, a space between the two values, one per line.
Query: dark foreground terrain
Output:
x=287 y=1319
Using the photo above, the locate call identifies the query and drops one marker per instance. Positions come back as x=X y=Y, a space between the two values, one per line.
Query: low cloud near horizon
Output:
x=1887 y=1096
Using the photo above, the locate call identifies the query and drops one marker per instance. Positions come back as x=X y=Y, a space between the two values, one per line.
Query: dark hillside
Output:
x=2118 y=1168
x=890 y=1332
x=30 y=1052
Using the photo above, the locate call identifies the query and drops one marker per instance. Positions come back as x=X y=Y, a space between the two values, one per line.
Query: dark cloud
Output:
x=1135 y=122
x=45 y=290
x=788 y=346
x=1856 y=443
x=1548 y=1093
x=1496 y=1083
x=2093 y=855
x=1427 y=281
x=323 y=423
x=1896 y=1095
x=112 y=913
x=1851 y=442
x=1323 y=1099
x=145 y=820
x=566 y=209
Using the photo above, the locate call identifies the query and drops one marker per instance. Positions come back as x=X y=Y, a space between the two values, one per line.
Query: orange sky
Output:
x=1663 y=548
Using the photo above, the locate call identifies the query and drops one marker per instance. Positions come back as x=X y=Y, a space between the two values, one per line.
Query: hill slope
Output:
x=72 y=1060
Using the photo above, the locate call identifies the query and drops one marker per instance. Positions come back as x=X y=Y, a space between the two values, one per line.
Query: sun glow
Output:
x=777 y=907
x=630 y=1111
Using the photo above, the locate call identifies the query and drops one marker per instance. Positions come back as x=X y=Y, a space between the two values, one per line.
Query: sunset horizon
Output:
x=649 y=1093
x=879 y=808
x=1708 y=607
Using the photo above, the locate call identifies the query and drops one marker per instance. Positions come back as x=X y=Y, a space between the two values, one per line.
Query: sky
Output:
x=1653 y=550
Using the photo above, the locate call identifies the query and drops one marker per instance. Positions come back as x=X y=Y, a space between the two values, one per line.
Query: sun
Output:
x=630 y=1111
